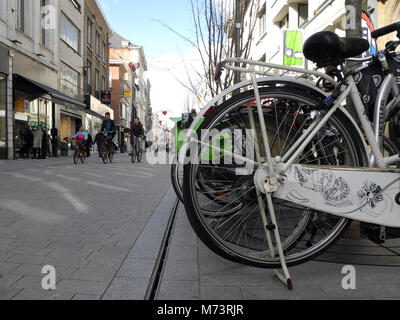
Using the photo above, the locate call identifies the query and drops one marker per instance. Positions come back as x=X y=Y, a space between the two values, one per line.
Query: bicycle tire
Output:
x=104 y=154
x=139 y=155
x=134 y=154
x=76 y=157
x=177 y=182
x=228 y=250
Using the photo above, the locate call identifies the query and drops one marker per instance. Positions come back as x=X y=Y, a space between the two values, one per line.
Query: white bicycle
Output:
x=314 y=169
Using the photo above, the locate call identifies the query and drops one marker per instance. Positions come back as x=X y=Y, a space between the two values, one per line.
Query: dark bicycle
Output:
x=137 y=149
x=80 y=151
x=108 y=148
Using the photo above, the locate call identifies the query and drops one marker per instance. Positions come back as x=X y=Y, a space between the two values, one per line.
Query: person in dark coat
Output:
x=98 y=139
x=45 y=145
x=54 y=142
x=27 y=141
x=108 y=126
x=89 y=144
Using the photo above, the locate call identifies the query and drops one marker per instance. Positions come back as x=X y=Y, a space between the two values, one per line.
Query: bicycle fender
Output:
x=301 y=84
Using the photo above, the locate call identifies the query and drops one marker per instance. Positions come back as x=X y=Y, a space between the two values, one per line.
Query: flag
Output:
x=134 y=66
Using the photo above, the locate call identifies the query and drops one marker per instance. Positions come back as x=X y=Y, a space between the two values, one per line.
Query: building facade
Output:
x=143 y=87
x=122 y=86
x=96 y=37
x=129 y=85
x=283 y=26
x=36 y=86
x=70 y=72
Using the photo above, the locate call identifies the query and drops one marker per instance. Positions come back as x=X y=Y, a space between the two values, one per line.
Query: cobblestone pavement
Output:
x=193 y=272
x=84 y=220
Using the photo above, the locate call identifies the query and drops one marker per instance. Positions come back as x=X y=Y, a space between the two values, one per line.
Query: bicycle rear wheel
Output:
x=76 y=156
x=177 y=180
x=139 y=154
x=134 y=154
x=83 y=158
x=104 y=154
x=240 y=236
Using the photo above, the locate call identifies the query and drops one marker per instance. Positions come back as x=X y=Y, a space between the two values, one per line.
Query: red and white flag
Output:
x=134 y=66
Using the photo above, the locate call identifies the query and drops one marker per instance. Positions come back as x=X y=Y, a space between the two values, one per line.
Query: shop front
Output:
x=3 y=122
x=38 y=106
x=29 y=117
x=4 y=70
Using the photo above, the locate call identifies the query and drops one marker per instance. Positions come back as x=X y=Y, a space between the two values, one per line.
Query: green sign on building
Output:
x=293 y=48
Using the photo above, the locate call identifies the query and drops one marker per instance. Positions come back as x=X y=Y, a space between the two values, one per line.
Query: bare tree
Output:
x=213 y=23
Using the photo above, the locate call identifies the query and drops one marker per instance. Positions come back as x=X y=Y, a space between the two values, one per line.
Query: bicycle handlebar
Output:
x=386 y=30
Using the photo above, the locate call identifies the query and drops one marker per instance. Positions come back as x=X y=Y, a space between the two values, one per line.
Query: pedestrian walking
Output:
x=37 y=142
x=89 y=144
x=98 y=140
x=27 y=140
x=45 y=145
x=54 y=141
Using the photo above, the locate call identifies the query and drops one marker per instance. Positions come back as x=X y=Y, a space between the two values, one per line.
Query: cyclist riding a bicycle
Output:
x=108 y=126
x=137 y=130
x=82 y=135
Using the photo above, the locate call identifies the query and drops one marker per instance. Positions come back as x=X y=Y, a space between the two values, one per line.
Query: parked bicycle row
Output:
x=276 y=168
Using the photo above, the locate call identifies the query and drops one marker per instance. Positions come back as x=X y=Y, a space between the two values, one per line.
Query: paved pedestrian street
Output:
x=102 y=227
x=193 y=272
x=82 y=219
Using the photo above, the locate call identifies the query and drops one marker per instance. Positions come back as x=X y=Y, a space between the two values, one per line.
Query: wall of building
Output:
x=68 y=55
x=98 y=61
x=115 y=90
x=28 y=55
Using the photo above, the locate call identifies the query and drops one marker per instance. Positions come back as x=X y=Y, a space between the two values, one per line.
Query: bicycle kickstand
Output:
x=273 y=227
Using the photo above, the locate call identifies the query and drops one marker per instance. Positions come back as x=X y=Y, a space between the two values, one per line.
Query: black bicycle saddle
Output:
x=326 y=48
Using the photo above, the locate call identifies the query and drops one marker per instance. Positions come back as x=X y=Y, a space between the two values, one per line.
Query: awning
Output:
x=95 y=114
x=35 y=90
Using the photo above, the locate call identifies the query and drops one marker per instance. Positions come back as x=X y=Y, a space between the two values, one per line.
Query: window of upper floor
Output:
x=70 y=34
x=3 y=10
x=76 y=4
x=262 y=21
x=97 y=43
x=89 y=34
x=45 y=32
x=20 y=14
x=284 y=23
x=70 y=81
x=303 y=14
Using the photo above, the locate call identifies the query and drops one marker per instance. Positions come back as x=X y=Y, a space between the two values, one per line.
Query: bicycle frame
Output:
x=382 y=109
x=266 y=180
